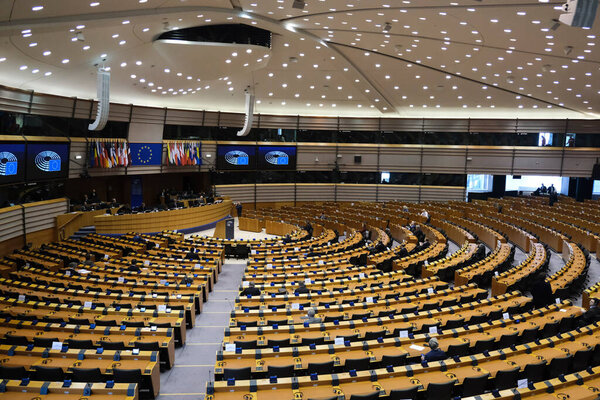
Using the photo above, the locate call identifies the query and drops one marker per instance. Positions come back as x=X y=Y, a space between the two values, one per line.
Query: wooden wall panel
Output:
x=348 y=152
x=398 y=193
x=309 y=153
x=11 y=223
x=400 y=158
x=442 y=193
x=352 y=192
x=241 y=193
x=275 y=192
x=315 y=192
x=489 y=160
x=537 y=161
x=579 y=162
x=444 y=160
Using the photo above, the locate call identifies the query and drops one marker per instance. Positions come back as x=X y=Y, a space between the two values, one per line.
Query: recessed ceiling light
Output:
x=37 y=8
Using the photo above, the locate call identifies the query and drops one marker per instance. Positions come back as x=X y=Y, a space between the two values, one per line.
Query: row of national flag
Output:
x=184 y=153
x=113 y=154
x=107 y=154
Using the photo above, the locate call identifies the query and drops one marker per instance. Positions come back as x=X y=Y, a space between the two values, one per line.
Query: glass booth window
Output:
x=479 y=183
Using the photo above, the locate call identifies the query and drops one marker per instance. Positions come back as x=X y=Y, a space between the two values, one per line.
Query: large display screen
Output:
x=47 y=161
x=277 y=157
x=236 y=157
x=12 y=162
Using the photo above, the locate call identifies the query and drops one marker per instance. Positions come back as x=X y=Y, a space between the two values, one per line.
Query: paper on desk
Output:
x=57 y=345
x=295 y=306
x=230 y=347
x=429 y=290
x=162 y=308
x=506 y=315
x=416 y=347
x=403 y=334
x=522 y=384
x=87 y=304
x=146 y=262
x=369 y=299
x=339 y=340
x=245 y=283
x=21 y=297
x=106 y=256
x=83 y=271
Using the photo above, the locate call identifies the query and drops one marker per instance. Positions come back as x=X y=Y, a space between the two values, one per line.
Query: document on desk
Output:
x=416 y=347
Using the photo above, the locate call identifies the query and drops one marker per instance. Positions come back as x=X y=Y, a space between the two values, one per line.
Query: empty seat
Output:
x=43 y=341
x=78 y=321
x=320 y=368
x=148 y=346
x=237 y=373
x=128 y=376
x=112 y=345
x=280 y=371
x=13 y=372
x=133 y=324
x=559 y=366
x=87 y=375
x=80 y=344
x=458 y=350
x=454 y=323
x=308 y=341
x=280 y=343
x=506 y=379
x=393 y=360
x=508 y=340
x=277 y=322
x=529 y=335
x=483 y=345
x=374 y=335
x=439 y=391
x=246 y=344
x=47 y=374
x=581 y=360
x=474 y=385
x=550 y=329
x=535 y=372
x=357 y=363
x=367 y=396
x=404 y=394
x=110 y=322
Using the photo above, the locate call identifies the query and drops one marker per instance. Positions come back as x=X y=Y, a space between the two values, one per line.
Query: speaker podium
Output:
x=225 y=229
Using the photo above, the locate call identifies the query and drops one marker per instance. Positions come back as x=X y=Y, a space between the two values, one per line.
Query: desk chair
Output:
x=331 y=318
x=560 y=365
x=506 y=379
x=351 y=338
x=281 y=343
x=458 y=350
x=147 y=346
x=43 y=341
x=246 y=344
x=404 y=394
x=48 y=374
x=79 y=321
x=371 y=335
x=474 y=385
x=550 y=329
x=280 y=371
x=87 y=375
x=581 y=360
x=439 y=391
x=454 y=323
x=278 y=322
x=238 y=373
x=81 y=344
x=49 y=320
x=393 y=360
x=320 y=368
x=13 y=372
x=112 y=345
x=360 y=316
x=386 y=313
x=358 y=364
x=529 y=335
x=15 y=340
x=508 y=340
x=317 y=341
x=368 y=396
x=484 y=345
x=133 y=324
x=566 y=324
x=111 y=322
x=535 y=372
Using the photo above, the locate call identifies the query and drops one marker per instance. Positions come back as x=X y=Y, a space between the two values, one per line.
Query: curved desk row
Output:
x=180 y=219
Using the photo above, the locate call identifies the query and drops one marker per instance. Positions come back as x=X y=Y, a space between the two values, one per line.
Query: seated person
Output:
x=541 y=291
x=302 y=289
x=592 y=315
x=310 y=317
x=435 y=354
x=251 y=290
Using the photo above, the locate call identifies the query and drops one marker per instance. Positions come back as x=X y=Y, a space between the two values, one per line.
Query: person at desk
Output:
x=287 y=239
x=543 y=189
x=435 y=354
x=308 y=228
x=302 y=289
x=592 y=315
x=94 y=196
x=251 y=290
x=312 y=252
x=191 y=255
x=541 y=291
x=124 y=209
x=88 y=260
x=113 y=203
x=310 y=317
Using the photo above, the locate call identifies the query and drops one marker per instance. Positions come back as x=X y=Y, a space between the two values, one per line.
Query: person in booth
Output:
x=435 y=354
x=592 y=315
x=251 y=290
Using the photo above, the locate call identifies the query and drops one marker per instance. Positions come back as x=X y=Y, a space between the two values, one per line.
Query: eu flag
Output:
x=146 y=153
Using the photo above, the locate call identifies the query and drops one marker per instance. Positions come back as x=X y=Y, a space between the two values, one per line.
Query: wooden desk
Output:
x=162 y=220
x=249 y=224
x=56 y=391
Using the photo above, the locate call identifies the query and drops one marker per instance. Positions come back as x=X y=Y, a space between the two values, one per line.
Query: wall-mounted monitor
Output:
x=232 y=157
x=277 y=157
x=47 y=161
x=12 y=162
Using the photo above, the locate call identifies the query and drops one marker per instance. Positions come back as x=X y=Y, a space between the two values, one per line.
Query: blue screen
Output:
x=236 y=157
x=277 y=157
x=12 y=162
x=47 y=161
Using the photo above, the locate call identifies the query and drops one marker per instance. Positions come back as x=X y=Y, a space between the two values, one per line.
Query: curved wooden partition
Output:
x=181 y=219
